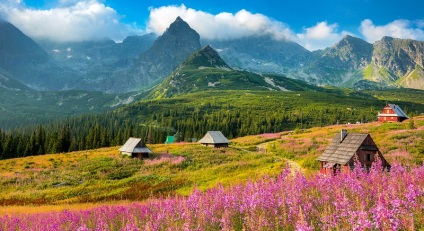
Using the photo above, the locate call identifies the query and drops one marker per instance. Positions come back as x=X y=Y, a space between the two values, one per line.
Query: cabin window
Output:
x=391 y=117
x=387 y=111
x=385 y=118
x=368 y=157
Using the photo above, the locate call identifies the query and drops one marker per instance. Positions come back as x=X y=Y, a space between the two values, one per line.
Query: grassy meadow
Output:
x=92 y=178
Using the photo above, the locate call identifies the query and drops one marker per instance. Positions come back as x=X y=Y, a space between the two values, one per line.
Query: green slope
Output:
x=205 y=70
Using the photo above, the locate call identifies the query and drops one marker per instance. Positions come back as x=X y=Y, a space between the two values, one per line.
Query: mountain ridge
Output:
x=140 y=63
x=206 y=70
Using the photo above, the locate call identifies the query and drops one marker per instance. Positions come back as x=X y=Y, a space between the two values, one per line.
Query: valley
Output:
x=67 y=107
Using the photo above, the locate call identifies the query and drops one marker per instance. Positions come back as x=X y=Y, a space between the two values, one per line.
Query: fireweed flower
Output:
x=378 y=200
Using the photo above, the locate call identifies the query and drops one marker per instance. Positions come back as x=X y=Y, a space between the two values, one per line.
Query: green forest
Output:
x=235 y=113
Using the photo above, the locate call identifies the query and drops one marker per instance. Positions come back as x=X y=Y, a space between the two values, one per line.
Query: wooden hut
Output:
x=214 y=139
x=345 y=148
x=134 y=147
x=392 y=113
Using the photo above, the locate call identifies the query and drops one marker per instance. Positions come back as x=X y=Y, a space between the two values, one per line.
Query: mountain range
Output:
x=141 y=62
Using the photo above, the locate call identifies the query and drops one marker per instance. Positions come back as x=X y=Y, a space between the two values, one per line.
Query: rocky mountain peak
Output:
x=169 y=50
x=352 y=43
x=348 y=53
x=206 y=57
x=387 y=39
x=180 y=27
x=399 y=56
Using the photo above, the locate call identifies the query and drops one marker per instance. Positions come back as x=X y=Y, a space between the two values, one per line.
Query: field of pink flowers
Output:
x=360 y=201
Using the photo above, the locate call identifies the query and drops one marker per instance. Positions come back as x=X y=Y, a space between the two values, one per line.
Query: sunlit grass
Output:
x=61 y=181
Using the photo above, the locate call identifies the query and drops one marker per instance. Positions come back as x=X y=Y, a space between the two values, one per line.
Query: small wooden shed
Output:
x=214 y=139
x=134 y=147
x=345 y=147
x=392 y=113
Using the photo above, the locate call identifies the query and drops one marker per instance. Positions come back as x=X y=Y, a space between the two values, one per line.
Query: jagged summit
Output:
x=205 y=57
x=348 y=54
x=168 y=51
x=387 y=39
x=180 y=27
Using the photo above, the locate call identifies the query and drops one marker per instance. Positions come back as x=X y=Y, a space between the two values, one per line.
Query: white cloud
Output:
x=71 y=20
x=320 y=36
x=242 y=24
x=398 y=29
x=220 y=26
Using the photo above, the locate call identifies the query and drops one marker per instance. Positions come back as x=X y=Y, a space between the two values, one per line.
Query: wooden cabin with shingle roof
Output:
x=134 y=147
x=345 y=148
x=215 y=139
x=392 y=113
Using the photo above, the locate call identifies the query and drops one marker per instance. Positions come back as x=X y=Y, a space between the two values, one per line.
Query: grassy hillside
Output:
x=413 y=79
x=103 y=175
x=205 y=70
x=188 y=80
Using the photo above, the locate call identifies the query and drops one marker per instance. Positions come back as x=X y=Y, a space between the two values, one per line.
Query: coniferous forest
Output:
x=235 y=113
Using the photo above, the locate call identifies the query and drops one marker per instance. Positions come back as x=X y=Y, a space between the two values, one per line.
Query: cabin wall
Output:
x=366 y=157
x=221 y=145
x=321 y=167
x=389 y=119
x=140 y=155
x=389 y=110
x=216 y=145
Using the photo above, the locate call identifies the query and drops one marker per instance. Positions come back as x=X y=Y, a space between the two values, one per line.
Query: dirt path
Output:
x=294 y=166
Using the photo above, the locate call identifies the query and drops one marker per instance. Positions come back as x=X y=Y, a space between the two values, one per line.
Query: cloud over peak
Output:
x=320 y=36
x=82 y=20
x=401 y=28
x=69 y=21
x=222 y=26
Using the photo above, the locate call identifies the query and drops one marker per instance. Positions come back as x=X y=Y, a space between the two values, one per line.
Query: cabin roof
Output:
x=341 y=152
x=214 y=137
x=398 y=110
x=134 y=145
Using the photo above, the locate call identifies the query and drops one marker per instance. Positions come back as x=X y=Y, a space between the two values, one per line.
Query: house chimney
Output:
x=343 y=135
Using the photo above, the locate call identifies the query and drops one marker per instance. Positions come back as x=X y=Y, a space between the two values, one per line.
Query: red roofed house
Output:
x=392 y=113
x=345 y=148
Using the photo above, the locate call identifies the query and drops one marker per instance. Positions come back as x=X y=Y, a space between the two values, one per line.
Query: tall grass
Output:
x=360 y=201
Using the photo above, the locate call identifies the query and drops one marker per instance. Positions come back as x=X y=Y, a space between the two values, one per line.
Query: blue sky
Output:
x=313 y=24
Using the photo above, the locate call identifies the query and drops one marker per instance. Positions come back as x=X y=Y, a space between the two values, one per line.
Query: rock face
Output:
x=168 y=52
x=339 y=64
x=103 y=65
x=350 y=53
x=262 y=54
x=389 y=62
x=91 y=56
x=206 y=57
x=24 y=60
x=399 y=56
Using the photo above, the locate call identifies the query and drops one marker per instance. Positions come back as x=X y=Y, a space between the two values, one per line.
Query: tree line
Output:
x=153 y=125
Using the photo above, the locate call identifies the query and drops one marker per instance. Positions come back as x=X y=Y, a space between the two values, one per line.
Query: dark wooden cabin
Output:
x=345 y=148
